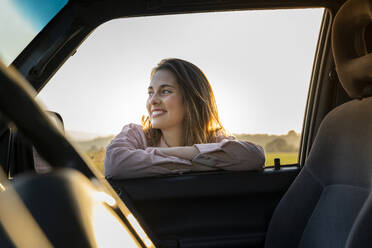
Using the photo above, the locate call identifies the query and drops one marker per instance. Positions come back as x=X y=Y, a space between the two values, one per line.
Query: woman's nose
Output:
x=155 y=99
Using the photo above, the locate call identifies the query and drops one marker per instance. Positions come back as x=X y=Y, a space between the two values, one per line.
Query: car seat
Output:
x=329 y=204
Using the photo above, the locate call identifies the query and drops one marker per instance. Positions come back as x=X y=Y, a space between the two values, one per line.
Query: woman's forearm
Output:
x=184 y=152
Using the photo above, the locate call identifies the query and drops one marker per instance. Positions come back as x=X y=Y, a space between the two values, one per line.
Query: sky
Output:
x=38 y=12
x=21 y=21
x=259 y=64
x=12 y=42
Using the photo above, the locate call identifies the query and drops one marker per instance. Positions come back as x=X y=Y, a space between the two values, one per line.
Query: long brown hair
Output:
x=201 y=123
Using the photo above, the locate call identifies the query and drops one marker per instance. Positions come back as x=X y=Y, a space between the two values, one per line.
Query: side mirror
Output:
x=40 y=165
x=22 y=156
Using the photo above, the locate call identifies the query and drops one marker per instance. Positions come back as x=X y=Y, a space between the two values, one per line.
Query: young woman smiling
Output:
x=182 y=131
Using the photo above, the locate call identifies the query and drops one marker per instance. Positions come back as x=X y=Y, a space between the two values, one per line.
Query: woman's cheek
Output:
x=148 y=106
x=178 y=107
x=172 y=102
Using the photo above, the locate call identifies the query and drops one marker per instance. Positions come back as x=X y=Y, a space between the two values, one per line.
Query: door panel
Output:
x=214 y=209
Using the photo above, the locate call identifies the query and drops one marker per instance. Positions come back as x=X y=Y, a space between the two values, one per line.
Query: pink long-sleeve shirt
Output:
x=129 y=156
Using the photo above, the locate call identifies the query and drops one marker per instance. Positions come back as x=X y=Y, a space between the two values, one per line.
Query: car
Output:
x=322 y=200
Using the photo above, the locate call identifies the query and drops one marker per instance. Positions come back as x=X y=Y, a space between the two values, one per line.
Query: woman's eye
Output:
x=150 y=93
x=166 y=91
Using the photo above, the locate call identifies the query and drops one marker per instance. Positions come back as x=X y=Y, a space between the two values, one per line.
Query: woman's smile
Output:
x=157 y=113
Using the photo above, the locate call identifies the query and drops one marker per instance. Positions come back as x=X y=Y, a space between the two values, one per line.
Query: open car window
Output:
x=259 y=64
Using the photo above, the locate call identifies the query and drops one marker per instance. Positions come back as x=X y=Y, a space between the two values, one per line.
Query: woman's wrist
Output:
x=192 y=152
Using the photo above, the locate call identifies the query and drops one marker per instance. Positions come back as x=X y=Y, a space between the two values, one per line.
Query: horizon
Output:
x=87 y=136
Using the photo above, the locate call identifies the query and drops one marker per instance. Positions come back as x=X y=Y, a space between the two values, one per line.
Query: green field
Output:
x=98 y=158
x=285 y=158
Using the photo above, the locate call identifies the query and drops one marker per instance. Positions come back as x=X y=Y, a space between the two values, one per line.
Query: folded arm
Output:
x=126 y=157
x=228 y=154
x=231 y=154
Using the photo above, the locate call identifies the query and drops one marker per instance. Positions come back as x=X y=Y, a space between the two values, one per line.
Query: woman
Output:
x=182 y=131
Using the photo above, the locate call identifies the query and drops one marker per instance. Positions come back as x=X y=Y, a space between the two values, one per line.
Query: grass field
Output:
x=98 y=158
x=285 y=158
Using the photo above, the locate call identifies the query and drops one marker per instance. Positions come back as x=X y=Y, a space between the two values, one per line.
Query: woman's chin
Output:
x=156 y=125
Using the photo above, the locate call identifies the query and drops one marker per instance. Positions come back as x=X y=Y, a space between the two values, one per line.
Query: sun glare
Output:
x=117 y=235
x=103 y=197
x=2 y=188
x=133 y=221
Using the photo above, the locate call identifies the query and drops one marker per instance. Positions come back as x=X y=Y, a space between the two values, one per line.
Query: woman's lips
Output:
x=157 y=113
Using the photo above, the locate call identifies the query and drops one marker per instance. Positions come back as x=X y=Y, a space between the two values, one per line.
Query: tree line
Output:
x=271 y=143
x=274 y=143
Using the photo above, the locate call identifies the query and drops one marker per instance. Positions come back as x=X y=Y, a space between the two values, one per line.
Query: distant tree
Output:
x=93 y=148
x=292 y=133
x=279 y=145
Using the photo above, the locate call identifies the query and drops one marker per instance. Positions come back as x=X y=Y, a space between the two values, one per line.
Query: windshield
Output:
x=21 y=21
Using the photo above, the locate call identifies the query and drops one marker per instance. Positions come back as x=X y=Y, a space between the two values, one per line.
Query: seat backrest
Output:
x=324 y=201
x=360 y=235
x=325 y=205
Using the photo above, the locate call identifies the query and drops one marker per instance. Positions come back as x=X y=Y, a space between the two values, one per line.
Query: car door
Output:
x=214 y=209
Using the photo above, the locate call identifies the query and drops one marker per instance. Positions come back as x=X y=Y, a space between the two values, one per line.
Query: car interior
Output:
x=323 y=201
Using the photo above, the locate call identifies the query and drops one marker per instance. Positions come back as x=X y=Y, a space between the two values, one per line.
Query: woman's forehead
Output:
x=163 y=78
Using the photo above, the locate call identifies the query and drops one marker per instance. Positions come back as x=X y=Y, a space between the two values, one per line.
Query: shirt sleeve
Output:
x=128 y=157
x=231 y=154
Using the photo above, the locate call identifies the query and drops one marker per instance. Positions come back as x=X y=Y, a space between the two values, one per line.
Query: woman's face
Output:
x=165 y=104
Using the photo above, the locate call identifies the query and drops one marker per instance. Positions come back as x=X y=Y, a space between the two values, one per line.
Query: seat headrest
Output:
x=350 y=49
